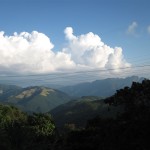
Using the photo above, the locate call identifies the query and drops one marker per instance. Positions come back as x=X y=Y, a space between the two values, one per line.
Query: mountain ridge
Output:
x=35 y=98
x=44 y=99
x=104 y=88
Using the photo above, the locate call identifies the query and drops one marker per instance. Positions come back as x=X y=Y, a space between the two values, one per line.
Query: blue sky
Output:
x=109 y=19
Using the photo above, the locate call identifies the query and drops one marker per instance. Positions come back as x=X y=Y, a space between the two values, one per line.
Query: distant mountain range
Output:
x=44 y=99
x=103 y=88
x=32 y=99
x=78 y=111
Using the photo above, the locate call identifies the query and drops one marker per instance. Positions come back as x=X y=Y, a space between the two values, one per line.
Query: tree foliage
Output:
x=19 y=131
x=129 y=130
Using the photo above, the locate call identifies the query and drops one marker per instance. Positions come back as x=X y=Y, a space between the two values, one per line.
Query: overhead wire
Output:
x=142 y=66
x=78 y=72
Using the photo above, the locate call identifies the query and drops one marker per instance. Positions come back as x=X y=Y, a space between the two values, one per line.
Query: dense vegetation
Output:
x=130 y=129
x=19 y=131
x=78 y=111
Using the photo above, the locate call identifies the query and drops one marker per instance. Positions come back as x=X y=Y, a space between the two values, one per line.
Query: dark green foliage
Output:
x=9 y=115
x=19 y=131
x=129 y=130
x=78 y=111
x=41 y=124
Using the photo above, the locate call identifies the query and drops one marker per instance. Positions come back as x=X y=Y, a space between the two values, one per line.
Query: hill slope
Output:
x=129 y=130
x=78 y=111
x=34 y=99
x=7 y=90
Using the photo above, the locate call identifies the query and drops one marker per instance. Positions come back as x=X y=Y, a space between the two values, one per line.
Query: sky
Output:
x=47 y=36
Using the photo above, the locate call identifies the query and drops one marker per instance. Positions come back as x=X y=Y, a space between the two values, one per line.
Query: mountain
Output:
x=119 y=122
x=33 y=99
x=7 y=90
x=78 y=111
x=129 y=130
x=103 y=88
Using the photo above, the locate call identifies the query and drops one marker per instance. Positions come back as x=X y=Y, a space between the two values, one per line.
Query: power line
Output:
x=78 y=72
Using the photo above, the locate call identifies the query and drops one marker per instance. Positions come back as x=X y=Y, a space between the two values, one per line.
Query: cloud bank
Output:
x=27 y=53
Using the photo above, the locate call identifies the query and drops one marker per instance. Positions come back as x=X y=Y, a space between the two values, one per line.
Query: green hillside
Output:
x=128 y=130
x=34 y=99
x=8 y=90
x=78 y=111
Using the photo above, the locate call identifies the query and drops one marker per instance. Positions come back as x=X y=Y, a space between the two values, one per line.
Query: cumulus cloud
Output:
x=132 y=28
x=89 y=50
x=69 y=33
x=33 y=53
x=30 y=53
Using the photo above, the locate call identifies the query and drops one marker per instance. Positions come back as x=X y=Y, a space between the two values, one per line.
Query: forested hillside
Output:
x=78 y=111
x=129 y=129
x=33 y=99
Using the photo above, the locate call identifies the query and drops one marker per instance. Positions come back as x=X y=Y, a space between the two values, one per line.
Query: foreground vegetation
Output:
x=130 y=129
x=19 y=131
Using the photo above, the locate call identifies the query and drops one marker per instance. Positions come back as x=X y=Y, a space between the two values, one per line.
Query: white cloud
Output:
x=30 y=53
x=148 y=29
x=33 y=53
x=89 y=50
x=69 y=33
x=132 y=28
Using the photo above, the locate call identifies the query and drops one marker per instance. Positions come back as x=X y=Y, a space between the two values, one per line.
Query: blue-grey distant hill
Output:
x=103 y=88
